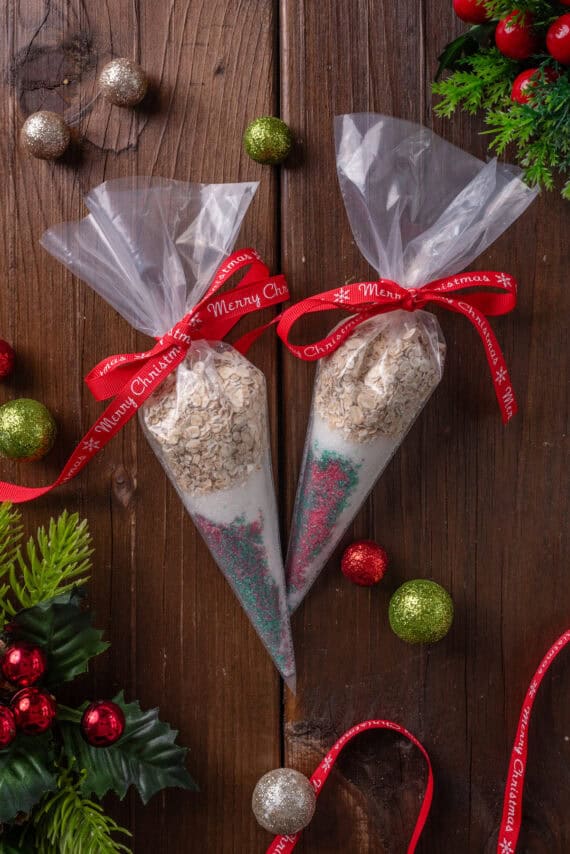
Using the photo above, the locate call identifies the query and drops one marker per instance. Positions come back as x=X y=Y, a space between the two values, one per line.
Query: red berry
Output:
x=34 y=710
x=23 y=664
x=471 y=11
x=7 y=727
x=7 y=359
x=558 y=39
x=103 y=723
x=523 y=84
x=515 y=36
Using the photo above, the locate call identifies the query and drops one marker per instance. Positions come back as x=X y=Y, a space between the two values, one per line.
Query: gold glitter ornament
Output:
x=45 y=135
x=267 y=140
x=421 y=611
x=123 y=82
x=27 y=430
x=283 y=801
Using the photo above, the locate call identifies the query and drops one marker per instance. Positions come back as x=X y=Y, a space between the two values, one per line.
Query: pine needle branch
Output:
x=482 y=80
x=55 y=564
x=68 y=823
x=10 y=538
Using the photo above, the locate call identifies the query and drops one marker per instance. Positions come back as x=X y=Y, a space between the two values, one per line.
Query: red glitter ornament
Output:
x=23 y=664
x=103 y=723
x=7 y=359
x=558 y=39
x=471 y=11
x=364 y=562
x=34 y=710
x=515 y=36
x=7 y=727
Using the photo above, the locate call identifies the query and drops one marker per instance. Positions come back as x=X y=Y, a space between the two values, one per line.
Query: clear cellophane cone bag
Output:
x=150 y=248
x=419 y=209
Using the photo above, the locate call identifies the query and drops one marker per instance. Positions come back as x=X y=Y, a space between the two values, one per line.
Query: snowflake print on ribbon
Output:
x=195 y=322
x=501 y=376
x=504 y=280
x=91 y=445
x=342 y=295
x=506 y=847
x=533 y=688
x=327 y=763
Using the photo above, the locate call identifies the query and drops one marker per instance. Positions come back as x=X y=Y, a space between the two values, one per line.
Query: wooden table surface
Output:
x=480 y=508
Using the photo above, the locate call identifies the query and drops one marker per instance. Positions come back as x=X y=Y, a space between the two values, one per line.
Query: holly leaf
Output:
x=26 y=774
x=146 y=756
x=466 y=44
x=65 y=632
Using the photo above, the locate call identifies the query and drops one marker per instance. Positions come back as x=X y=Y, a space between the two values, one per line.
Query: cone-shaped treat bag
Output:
x=420 y=209
x=151 y=248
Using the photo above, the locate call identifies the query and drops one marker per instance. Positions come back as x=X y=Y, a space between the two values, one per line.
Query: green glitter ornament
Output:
x=267 y=140
x=27 y=430
x=421 y=611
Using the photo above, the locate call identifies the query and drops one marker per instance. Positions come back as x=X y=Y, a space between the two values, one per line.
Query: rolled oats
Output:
x=209 y=419
x=378 y=380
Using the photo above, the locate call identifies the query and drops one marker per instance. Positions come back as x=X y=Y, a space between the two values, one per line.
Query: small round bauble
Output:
x=7 y=359
x=34 y=710
x=103 y=723
x=515 y=36
x=23 y=664
x=27 y=430
x=364 y=562
x=283 y=801
x=471 y=11
x=421 y=611
x=123 y=82
x=524 y=83
x=45 y=135
x=558 y=39
x=267 y=140
x=7 y=727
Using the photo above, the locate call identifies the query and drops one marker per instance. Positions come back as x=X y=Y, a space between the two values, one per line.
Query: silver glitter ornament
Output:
x=283 y=801
x=45 y=135
x=123 y=82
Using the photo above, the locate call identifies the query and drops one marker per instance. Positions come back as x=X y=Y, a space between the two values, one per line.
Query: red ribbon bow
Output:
x=499 y=296
x=130 y=378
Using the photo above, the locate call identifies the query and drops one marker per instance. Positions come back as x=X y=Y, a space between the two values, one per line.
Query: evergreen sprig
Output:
x=68 y=823
x=538 y=8
x=483 y=80
x=537 y=133
x=55 y=564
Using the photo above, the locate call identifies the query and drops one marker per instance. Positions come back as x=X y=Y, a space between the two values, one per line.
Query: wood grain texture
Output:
x=477 y=507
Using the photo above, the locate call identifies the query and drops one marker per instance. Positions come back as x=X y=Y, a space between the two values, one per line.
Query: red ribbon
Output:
x=513 y=802
x=130 y=378
x=382 y=296
x=285 y=844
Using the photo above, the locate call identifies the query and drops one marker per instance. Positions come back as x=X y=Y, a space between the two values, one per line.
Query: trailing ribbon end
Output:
x=286 y=844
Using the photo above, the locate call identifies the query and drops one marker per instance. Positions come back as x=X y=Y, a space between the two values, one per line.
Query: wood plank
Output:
x=179 y=636
x=477 y=507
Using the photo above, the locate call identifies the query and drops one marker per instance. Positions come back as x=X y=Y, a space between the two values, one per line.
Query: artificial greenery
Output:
x=68 y=823
x=47 y=781
x=481 y=78
x=55 y=564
